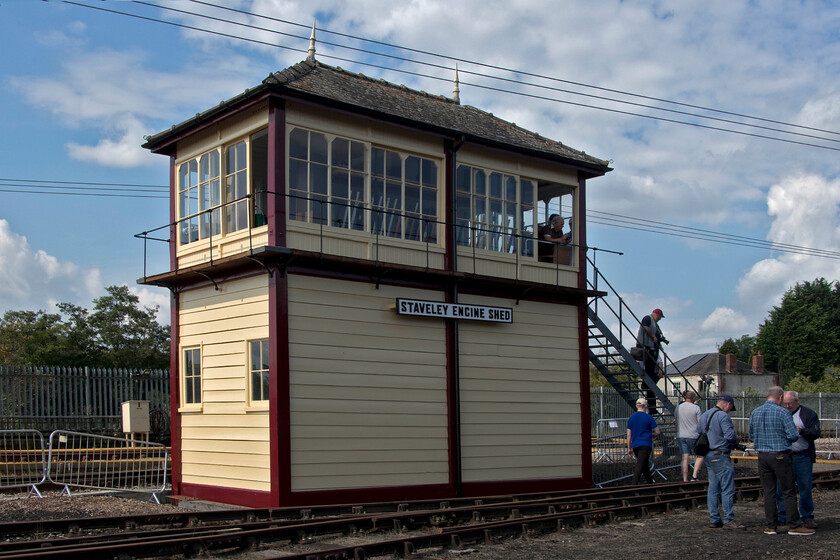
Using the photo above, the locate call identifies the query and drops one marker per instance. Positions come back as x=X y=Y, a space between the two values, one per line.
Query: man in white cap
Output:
x=641 y=427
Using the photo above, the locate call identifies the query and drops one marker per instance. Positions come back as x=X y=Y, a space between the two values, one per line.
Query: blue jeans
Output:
x=803 y=472
x=721 y=484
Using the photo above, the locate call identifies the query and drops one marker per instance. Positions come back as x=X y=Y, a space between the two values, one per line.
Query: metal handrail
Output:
x=620 y=316
x=514 y=244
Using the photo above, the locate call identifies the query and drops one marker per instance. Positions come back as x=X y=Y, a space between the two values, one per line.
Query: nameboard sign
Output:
x=422 y=308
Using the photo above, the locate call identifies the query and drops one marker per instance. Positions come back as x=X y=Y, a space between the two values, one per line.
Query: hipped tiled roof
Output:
x=380 y=99
x=713 y=363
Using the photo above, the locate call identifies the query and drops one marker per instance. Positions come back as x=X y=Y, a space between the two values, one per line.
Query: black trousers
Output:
x=650 y=370
x=643 y=464
x=772 y=467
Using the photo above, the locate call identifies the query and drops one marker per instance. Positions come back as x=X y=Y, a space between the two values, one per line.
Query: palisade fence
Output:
x=80 y=399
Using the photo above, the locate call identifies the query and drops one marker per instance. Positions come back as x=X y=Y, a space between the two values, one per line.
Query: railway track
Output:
x=392 y=528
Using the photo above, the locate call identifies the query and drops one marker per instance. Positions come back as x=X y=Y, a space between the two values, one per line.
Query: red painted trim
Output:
x=448 y=206
x=173 y=228
x=524 y=486
x=280 y=418
x=236 y=496
x=581 y=225
x=175 y=391
x=385 y=494
x=583 y=343
x=452 y=404
x=276 y=173
x=585 y=404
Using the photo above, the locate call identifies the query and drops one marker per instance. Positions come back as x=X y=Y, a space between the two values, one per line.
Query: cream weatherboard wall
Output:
x=367 y=387
x=520 y=393
x=225 y=439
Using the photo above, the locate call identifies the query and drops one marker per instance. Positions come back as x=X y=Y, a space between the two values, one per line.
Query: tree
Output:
x=118 y=333
x=802 y=335
x=743 y=347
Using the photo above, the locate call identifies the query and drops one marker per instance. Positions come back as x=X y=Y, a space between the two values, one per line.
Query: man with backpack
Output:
x=718 y=426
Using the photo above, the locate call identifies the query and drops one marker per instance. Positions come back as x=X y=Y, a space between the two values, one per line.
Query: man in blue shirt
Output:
x=773 y=431
x=641 y=427
x=722 y=439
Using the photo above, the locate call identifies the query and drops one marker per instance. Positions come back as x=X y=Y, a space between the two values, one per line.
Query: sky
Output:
x=80 y=87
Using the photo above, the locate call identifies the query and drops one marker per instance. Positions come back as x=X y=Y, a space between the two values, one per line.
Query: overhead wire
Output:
x=627 y=222
x=486 y=87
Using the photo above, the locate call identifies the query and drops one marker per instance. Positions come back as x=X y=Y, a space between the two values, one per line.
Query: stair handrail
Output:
x=594 y=284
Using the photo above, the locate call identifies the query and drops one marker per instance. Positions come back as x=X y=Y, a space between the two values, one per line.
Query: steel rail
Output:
x=510 y=517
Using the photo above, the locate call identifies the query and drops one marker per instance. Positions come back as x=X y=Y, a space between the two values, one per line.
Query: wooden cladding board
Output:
x=368 y=388
x=224 y=443
x=520 y=394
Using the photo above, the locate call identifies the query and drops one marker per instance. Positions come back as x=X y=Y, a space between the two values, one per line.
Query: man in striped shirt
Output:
x=772 y=430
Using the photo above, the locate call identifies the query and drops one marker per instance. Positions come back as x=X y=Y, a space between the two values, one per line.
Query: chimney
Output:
x=731 y=363
x=758 y=362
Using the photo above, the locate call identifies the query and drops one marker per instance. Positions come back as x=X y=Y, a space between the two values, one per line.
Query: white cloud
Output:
x=151 y=297
x=725 y=320
x=806 y=211
x=124 y=151
x=32 y=279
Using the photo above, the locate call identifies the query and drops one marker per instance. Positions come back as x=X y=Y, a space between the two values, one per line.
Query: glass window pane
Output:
x=412 y=169
x=377 y=192
x=340 y=153
x=527 y=192
x=264 y=351
x=298 y=175
x=429 y=173
x=393 y=165
x=357 y=156
x=430 y=202
x=214 y=164
x=412 y=200
x=318 y=147
x=265 y=392
x=230 y=160
x=318 y=179
x=480 y=183
x=339 y=186
x=462 y=178
x=193 y=172
x=256 y=359
x=377 y=162
x=204 y=168
x=496 y=185
x=299 y=143
x=510 y=189
x=256 y=386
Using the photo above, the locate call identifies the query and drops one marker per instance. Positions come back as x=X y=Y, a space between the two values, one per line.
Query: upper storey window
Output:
x=343 y=183
x=204 y=208
x=495 y=211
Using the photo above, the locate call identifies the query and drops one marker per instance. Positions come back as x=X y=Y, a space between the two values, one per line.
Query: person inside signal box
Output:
x=551 y=235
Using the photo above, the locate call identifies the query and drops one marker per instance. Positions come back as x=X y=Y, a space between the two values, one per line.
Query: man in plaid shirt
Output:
x=772 y=430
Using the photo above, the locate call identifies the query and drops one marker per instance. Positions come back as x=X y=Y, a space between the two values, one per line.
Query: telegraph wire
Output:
x=499 y=78
x=500 y=90
x=522 y=72
x=2 y=189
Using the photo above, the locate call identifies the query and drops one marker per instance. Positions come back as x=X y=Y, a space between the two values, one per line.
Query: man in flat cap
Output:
x=722 y=440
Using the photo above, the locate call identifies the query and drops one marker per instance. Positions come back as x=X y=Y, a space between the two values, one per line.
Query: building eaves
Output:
x=333 y=86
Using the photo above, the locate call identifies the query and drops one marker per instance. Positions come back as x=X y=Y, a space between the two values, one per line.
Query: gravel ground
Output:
x=678 y=533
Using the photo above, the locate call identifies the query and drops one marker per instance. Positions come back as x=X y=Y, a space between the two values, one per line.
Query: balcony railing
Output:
x=382 y=223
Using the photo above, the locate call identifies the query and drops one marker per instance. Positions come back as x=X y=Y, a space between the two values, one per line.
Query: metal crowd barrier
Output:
x=610 y=461
x=106 y=463
x=22 y=463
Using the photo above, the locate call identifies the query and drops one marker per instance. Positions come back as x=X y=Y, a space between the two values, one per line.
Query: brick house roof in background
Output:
x=713 y=363
x=333 y=86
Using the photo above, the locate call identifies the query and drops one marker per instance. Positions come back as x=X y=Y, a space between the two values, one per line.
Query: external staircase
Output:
x=612 y=332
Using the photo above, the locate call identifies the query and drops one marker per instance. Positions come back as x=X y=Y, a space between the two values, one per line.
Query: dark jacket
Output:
x=811 y=431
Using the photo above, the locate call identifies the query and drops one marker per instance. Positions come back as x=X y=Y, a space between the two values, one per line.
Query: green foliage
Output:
x=596 y=379
x=802 y=384
x=743 y=347
x=117 y=333
x=801 y=337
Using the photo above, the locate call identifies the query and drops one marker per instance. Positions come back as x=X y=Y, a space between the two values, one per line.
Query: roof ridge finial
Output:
x=310 y=54
x=456 y=90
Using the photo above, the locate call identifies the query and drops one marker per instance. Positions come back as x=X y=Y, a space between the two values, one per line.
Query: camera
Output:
x=663 y=340
x=740 y=447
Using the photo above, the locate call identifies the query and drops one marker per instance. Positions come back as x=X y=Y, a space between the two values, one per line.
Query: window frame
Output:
x=194 y=376
x=265 y=374
x=228 y=211
x=309 y=161
x=480 y=202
